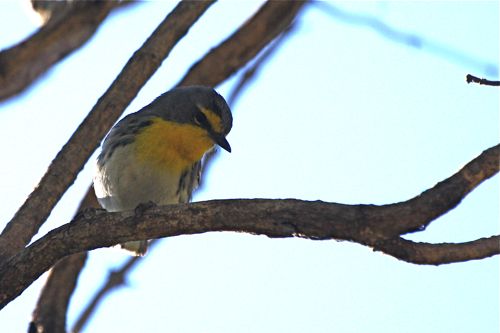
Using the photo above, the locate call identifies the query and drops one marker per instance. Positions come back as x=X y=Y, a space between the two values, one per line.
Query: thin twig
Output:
x=116 y=279
x=471 y=78
x=406 y=38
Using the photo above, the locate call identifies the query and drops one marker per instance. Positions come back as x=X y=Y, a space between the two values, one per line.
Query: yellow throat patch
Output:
x=168 y=145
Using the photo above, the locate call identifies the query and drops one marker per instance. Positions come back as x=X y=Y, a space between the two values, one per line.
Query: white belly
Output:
x=125 y=186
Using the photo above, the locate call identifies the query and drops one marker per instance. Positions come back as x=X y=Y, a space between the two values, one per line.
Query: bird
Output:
x=155 y=154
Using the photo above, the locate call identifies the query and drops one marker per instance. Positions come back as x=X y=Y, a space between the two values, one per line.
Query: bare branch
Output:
x=50 y=311
x=283 y=218
x=69 y=161
x=245 y=79
x=437 y=254
x=274 y=218
x=239 y=48
x=365 y=224
x=407 y=38
x=417 y=213
x=471 y=78
x=116 y=279
x=22 y=64
x=250 y=73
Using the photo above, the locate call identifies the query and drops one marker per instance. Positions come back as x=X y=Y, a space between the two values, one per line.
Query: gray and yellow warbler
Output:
x=154 y=155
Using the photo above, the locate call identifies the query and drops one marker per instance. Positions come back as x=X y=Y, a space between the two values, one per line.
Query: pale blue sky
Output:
x=339 y=114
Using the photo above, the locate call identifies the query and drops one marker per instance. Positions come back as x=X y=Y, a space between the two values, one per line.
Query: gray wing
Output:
x=123 y=133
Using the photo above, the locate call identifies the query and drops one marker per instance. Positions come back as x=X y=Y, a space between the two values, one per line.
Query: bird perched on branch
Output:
x=154 y=155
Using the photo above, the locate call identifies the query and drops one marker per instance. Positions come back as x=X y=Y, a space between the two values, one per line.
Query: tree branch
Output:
x=417 y=213
x=443 y=253
x=69 y=161
x=365 y=224
x=116 y=279
x=244 y=80
x=22 y=64
x=407 y=38
x=251 y=72
x=243 y=45
x=52 y=306
x=471 y=78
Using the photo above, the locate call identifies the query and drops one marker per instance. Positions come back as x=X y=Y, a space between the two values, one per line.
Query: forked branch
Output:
x=365 y=224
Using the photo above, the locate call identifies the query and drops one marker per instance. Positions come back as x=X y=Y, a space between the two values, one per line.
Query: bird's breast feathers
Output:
x=154 y=167
x=171 y=146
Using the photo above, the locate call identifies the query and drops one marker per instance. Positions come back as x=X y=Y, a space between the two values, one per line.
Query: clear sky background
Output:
x=341 y=113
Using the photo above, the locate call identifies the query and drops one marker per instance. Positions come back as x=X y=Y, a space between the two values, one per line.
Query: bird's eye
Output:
x=200 y=118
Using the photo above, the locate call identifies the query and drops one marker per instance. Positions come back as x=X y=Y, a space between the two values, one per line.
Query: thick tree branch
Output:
x=96 y=228
x=365 y=224
x=22 y=64
x=68 y=162
x=274 y=218
x=243 y=45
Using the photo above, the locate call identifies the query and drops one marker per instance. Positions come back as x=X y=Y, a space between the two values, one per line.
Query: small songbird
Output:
x=154 y=155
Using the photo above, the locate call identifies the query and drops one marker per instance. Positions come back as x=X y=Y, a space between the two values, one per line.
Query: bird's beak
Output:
x=221 y=141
